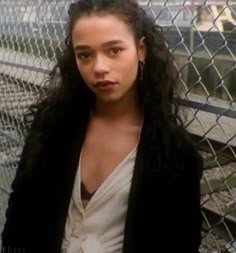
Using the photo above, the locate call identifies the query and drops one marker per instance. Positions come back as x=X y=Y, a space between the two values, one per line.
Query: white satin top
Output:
x=99 y=227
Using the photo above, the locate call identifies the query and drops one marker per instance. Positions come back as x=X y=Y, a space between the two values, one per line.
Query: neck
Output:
x=124 y=111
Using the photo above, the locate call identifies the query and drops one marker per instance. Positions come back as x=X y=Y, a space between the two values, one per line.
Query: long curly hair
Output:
x=157 y=92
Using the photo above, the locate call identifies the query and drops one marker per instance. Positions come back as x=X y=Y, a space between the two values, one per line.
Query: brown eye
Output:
x=115 y=50
x=83 y=56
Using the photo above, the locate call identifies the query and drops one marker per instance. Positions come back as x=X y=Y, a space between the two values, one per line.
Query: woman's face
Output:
x=107 y=56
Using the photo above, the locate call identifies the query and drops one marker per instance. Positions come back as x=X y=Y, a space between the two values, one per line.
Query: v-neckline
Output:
x=99 y=189
x=104 y=183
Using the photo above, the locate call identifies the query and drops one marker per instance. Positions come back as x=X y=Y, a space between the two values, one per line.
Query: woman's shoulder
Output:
x=185 y=150
x=182 y=140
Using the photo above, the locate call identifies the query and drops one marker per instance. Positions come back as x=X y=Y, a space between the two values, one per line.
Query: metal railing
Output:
x=201 y=35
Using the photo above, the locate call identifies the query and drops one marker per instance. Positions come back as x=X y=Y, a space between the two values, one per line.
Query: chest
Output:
x=102 y=151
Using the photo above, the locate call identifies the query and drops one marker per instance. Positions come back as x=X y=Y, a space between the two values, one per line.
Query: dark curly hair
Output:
x=157 y=92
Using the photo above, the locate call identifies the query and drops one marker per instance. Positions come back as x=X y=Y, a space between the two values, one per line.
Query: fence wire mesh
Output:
x=202 y=36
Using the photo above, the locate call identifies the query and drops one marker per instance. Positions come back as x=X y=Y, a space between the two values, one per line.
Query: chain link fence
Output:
x=202 y=36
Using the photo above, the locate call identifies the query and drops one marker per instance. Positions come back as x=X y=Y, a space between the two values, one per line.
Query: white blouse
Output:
x=99 y=227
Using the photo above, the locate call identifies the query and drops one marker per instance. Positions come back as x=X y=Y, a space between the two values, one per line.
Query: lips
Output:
x=105 y=86
x=104 y=83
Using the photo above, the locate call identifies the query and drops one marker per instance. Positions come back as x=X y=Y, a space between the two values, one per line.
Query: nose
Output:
x=101 y=65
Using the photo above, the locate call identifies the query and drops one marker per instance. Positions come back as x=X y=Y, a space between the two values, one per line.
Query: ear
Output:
x=142 y=50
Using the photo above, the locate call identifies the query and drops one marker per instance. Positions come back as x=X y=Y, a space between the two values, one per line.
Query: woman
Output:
x=107 y=166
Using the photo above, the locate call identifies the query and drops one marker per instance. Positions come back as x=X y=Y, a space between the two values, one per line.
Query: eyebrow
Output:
x=108 y=43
